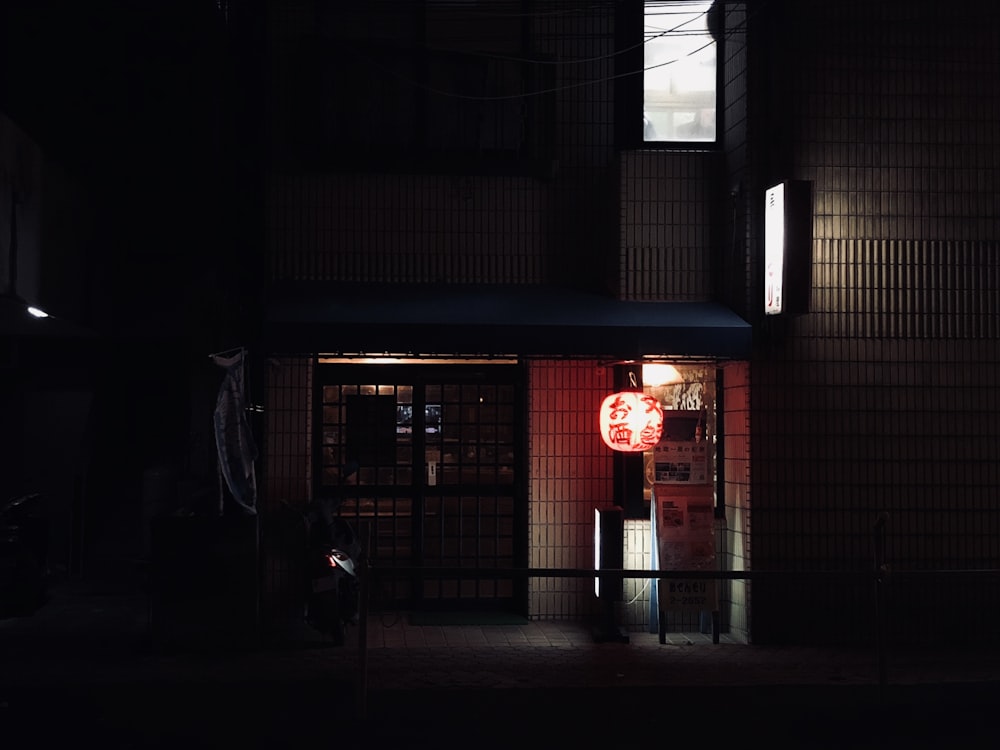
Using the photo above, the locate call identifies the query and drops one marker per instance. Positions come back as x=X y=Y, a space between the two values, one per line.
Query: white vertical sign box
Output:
x=787 y=247
x=774 y=247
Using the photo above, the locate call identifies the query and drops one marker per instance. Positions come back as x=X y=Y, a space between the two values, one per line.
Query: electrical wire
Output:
x=640 y=592
x=481 y=13
x=565 y=87
x=538 y=92
x=574 y=61
x=649 y=37
x=485 y=9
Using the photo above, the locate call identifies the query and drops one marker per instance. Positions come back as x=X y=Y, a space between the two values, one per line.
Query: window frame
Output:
x=630 y=76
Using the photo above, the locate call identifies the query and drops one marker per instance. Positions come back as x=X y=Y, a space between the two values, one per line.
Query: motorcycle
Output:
x=23 y=556
x=333 y=559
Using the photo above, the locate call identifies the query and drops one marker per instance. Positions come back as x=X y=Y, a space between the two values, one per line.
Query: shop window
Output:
x=371 y=429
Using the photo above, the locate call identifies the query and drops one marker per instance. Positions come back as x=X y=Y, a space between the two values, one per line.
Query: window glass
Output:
x=679 y=80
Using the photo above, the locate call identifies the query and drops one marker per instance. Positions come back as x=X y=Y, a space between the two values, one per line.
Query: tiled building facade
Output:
x=880 y=398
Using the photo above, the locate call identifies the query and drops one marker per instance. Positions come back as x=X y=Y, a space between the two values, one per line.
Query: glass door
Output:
x=426 y=461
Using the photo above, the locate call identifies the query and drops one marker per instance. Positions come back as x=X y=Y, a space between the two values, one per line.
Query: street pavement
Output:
x=83 y=669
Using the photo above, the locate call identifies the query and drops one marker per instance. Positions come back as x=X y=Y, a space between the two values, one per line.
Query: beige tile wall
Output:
x=570 y=473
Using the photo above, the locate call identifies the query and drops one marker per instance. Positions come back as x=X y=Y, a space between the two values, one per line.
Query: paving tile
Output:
x=55 y=648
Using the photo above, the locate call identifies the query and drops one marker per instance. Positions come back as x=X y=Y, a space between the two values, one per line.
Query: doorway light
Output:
x=405 y=359
x=660 y=374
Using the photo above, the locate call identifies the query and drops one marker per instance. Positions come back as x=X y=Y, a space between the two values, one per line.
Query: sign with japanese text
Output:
x=684 y=520
x=688 y=594
x=681 y=456
x=774 y=248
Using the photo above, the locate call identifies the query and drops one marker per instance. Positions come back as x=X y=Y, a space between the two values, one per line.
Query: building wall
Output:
x=735 y=250
x=408 y=228
x=639 y=224
x=285 y=490
x=570 y=473
x=882 y=397
x=879 y=398
x=545 y=214
x=578 y=212
x=287 y=444
x=734 y=549
x=732 y=274
x=667 y=224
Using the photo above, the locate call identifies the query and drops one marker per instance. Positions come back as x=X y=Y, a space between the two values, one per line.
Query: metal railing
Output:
x=874 y=585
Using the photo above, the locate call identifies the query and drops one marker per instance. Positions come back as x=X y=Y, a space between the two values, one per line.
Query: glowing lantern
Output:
x=631 y=421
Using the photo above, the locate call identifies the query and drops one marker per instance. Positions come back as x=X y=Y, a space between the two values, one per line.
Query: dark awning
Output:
x=494 y=320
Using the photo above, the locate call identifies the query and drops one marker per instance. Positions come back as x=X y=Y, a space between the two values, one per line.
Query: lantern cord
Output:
x=632 y=380
x=640 y=593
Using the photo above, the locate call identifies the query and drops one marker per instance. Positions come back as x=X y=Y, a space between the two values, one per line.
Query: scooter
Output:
x=333 y=559
x=23 y=556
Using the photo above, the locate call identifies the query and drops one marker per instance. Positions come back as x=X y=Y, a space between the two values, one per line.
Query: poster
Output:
x=681 y=456
x=685 y=540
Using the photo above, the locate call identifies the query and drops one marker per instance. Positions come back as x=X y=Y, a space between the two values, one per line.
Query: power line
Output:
x=539 y=92
x=674 y=31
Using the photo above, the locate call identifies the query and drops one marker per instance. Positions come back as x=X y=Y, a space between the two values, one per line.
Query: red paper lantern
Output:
x=631 y=421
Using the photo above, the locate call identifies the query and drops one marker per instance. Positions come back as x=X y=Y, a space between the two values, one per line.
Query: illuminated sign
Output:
x=774 y=248
x=787 y=247
x=631 y=421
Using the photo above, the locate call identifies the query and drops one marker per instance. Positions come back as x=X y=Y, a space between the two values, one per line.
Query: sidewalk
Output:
x=86 y=651
x=84 y=627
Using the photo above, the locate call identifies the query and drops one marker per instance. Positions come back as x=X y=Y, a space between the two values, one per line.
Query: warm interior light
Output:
x=37 y=312
x=406 y=359
x=659 y=374
x=631 y=421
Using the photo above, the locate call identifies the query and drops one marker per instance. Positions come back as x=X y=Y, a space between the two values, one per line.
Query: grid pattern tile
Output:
x=666 y=224
x=570 y=474
x=288 y=429
x=287 y=447
x=406 y=228
x=881 y=399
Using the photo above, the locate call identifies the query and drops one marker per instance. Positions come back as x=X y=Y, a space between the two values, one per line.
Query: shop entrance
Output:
x=432 y=458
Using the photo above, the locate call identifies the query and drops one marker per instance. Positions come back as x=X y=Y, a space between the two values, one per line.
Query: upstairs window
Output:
x=679 y=72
